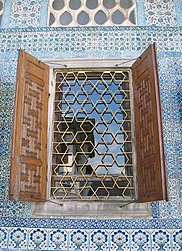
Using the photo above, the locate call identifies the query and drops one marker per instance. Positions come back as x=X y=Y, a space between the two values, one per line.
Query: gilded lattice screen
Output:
x=92 y=148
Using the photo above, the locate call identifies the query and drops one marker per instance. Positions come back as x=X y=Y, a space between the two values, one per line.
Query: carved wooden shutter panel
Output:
x=29 y=142
x=151 y=175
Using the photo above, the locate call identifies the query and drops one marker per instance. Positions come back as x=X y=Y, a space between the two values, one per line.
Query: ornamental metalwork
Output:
x=92 y=136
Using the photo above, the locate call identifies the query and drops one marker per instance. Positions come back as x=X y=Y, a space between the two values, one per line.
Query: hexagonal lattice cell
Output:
x=88 y=87
x=108 y=159
x=101 y=170
x=88 y=148
x=119 y=96
x=68 y=137
x=121 y=159
x=107 y=96
x=101 y=86
x=81 y=97
x=107 y=116
x=100 y=127
x=70 y=97
x=92 y=12
x=88 y=106
x=100 y=106
x=92 y=135
x=101 y=148
x=108 y=138
x=120 y=137
x=62 y=188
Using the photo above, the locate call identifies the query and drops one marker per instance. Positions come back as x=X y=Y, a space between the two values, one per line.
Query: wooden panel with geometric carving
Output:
x=29 y=141
x=151 y=175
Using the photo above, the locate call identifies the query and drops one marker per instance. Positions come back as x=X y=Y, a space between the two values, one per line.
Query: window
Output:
x=1 y=10
x=92 y=12
x=92 y=140
x=29 y=147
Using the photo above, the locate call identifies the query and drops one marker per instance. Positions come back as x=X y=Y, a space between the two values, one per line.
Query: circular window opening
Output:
x=92 y=4
x=125 y=4
x=109 y=4
x=65 y=18
x=58 y=4
x=83 y=18
x=51 y=19
x=132 y=17
x=1 y=6
x=118 y=17
x=75 y=4
x=100 y=17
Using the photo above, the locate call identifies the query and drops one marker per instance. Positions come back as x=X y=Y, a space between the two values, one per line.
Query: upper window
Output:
x=92 y=12
x=92 y=148
x=1 y=9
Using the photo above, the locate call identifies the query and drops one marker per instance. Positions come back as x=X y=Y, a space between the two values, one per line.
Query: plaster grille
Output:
x=1 y=9
x=92 y=12
x=92 y=138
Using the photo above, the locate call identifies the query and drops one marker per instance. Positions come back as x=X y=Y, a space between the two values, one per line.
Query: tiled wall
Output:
x=95 y=240
x=31 y=13
x=160 y=12
x=18 y=230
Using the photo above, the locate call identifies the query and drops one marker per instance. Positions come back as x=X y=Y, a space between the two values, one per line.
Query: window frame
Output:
x=23 y=67
x=113 y=66
x=94 y=208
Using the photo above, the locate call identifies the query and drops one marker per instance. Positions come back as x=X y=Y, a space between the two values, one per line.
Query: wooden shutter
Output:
x=151 y=175
x=29 y=141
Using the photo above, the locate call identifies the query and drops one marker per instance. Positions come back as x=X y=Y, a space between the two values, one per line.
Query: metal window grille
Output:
x=92 y=136
x=92 y=12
